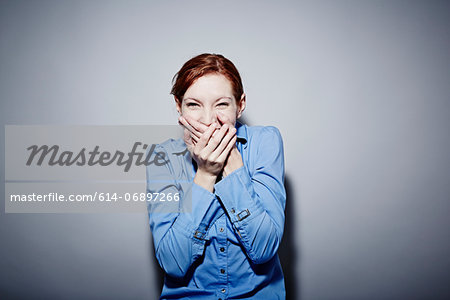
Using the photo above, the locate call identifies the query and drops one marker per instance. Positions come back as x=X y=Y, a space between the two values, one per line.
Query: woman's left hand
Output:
x=194 y=130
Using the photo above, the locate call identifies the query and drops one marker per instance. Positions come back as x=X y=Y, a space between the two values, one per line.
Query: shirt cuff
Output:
x=238 y=196
x=200 y=210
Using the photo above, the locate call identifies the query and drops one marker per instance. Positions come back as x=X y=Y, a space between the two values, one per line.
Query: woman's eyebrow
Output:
x=225 y=97
x=229 y=98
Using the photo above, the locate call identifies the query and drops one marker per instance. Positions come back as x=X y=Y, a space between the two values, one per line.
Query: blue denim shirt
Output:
x=220 y=245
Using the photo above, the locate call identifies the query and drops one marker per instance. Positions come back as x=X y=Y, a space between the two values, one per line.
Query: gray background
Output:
x=359 y=90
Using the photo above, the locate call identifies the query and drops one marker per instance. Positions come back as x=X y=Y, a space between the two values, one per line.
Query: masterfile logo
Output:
x=79 y=152
x=53 y=156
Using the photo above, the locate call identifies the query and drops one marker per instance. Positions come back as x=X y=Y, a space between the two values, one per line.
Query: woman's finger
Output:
x=187 y=137
x=199 y=127
x=195 y=138
x=226 y=151
x=204 y=139
x=183 y=122
x=215 y=140
x=223 y=144
x=188 y=141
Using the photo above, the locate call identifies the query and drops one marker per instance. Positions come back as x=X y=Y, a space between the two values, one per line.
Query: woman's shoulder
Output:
x=171 y=153
x=259 y=132
x=170 y=147
x=172 y=144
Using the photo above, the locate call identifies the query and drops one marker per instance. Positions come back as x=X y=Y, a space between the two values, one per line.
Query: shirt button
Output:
x=222 y=249
x=222 y=271
x=222 y=290
x=221 y=229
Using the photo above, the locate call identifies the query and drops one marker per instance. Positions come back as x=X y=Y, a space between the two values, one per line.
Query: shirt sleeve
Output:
x=255 y=199
x=179 y=228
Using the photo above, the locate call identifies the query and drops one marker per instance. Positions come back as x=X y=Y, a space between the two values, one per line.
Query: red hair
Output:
x=201 y=65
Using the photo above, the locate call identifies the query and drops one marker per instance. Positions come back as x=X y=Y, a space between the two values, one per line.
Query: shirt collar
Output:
x=241 y=132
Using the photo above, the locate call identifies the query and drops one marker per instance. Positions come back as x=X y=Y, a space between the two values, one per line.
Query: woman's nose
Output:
x=209 y=117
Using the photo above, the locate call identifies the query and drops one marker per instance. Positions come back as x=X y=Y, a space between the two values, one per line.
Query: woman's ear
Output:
x=178 y=104
x=241 y=105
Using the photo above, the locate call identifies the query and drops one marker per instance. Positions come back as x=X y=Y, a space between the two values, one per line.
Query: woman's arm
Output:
x=255 y=199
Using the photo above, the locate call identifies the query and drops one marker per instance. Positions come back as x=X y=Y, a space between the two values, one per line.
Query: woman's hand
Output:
x=194 y=131
x=210 y=152
x=234 y=159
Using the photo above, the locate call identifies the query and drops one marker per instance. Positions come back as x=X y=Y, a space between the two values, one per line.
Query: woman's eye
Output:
x=223 y=104
x=192 y=104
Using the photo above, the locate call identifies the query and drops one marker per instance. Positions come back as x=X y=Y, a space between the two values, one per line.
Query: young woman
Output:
x=219 y=240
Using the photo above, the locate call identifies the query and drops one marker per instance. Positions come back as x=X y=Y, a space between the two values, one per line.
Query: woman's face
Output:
x=208 y=95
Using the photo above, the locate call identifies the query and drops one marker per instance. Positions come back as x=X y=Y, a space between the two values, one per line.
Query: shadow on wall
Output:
x=286 y=252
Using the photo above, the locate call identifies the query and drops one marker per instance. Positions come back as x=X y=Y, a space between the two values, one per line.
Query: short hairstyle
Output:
x=201 y=65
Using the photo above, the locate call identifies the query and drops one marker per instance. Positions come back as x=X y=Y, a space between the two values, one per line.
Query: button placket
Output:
x=222 y=255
